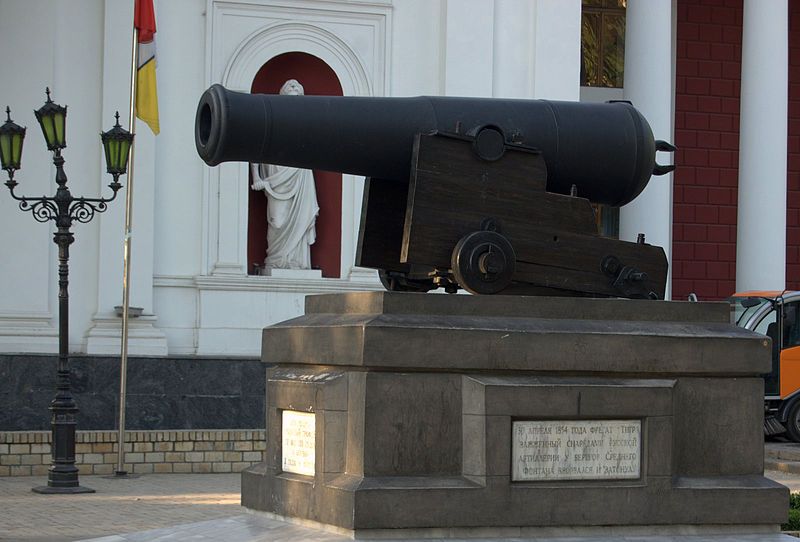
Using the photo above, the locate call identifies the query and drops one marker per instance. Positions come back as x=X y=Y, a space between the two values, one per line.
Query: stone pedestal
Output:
x=458 y=412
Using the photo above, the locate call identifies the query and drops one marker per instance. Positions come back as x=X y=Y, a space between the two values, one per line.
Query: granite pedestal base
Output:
x=418 y=400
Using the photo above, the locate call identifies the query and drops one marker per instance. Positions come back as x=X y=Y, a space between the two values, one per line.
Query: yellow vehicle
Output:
x=775 y=314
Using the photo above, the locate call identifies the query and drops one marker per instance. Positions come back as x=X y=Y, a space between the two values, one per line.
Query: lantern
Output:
x=11 y=138
x=117 y=144
x=52 y=118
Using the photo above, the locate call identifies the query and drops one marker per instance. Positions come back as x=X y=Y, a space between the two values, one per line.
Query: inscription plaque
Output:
x=297 y=442
x=575 y=450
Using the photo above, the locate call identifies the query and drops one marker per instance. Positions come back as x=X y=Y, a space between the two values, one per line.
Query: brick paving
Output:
x=152 y=501
x=119 y=506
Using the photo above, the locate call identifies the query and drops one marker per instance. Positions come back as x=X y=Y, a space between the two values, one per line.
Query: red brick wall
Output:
x=793 y=174
x=708 y=71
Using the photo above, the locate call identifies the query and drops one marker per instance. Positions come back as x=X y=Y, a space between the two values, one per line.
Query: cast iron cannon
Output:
x=489 y=195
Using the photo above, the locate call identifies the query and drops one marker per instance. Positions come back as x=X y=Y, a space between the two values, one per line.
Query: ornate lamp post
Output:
x=64 y=209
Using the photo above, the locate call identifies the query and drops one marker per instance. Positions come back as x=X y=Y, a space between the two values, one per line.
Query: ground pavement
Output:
x=119 y=506
x=172 y=507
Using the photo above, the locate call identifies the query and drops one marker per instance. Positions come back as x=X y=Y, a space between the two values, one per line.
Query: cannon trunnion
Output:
x=493 y=196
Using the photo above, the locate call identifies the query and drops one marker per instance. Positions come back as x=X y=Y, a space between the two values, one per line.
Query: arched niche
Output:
x=278 y=39
x=228 y=185
x=317 y=79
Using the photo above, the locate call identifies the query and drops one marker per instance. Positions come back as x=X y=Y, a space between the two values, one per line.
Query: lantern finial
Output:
x=47 y=91
x=8 y=112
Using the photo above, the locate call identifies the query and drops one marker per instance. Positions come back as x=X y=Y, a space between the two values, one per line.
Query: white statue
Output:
x=291 y=208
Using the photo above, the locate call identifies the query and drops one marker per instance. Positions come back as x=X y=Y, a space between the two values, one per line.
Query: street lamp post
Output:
x=63 y=209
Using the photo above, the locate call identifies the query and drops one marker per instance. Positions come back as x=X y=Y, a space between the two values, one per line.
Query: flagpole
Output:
x=126 y=259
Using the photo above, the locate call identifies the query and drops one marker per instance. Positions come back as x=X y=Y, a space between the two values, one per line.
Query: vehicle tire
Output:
x=793 y=422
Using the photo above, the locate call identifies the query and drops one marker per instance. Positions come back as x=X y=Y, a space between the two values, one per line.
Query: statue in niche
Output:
x=292 y=207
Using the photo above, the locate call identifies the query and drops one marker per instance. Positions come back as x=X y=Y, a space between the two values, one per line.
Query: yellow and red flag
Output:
x=144 y=19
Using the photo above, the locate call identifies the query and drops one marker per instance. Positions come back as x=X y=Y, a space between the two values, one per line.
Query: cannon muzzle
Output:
x=606 y=151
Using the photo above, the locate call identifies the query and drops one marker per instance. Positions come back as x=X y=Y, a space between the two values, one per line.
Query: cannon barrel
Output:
x=606 y=150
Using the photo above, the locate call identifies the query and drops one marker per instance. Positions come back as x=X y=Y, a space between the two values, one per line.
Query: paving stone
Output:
x=119 y=505
x=31 y=459
x=143 y=468
x=194 y=457
x=257 y=528
x=204 y=508
x=10 y=459
x=103 y=469
x=162 y=468
x=184 y=446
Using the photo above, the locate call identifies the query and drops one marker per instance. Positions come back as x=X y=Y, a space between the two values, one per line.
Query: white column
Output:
x=557 y=50
x=28 y=316
x=467 y=48
x=761 y=230
x=649 y=69
x=415 y=60
x=178 y=197
x=537 y=49
x=513 y=55
x=79 y=31
x=104 y=337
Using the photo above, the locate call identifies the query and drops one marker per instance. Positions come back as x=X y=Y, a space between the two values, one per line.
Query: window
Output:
x=764 y=324
x=791 y=325
x=603 y=43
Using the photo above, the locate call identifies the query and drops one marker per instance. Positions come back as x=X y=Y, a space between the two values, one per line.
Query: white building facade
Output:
x=190 y=269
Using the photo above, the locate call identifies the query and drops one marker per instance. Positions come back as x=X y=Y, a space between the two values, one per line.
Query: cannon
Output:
x=488 y=195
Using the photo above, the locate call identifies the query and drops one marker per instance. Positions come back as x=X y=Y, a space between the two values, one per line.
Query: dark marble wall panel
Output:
x=162 y=393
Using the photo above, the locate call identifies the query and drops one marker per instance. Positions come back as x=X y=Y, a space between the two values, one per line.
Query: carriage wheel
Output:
x=483 y=262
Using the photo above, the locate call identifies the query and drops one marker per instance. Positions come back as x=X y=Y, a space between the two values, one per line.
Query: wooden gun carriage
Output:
x=489 y=195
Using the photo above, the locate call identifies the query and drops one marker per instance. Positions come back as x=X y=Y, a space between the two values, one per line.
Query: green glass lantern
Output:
x=117 y=145
x=52 y=118
x=11 y=137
